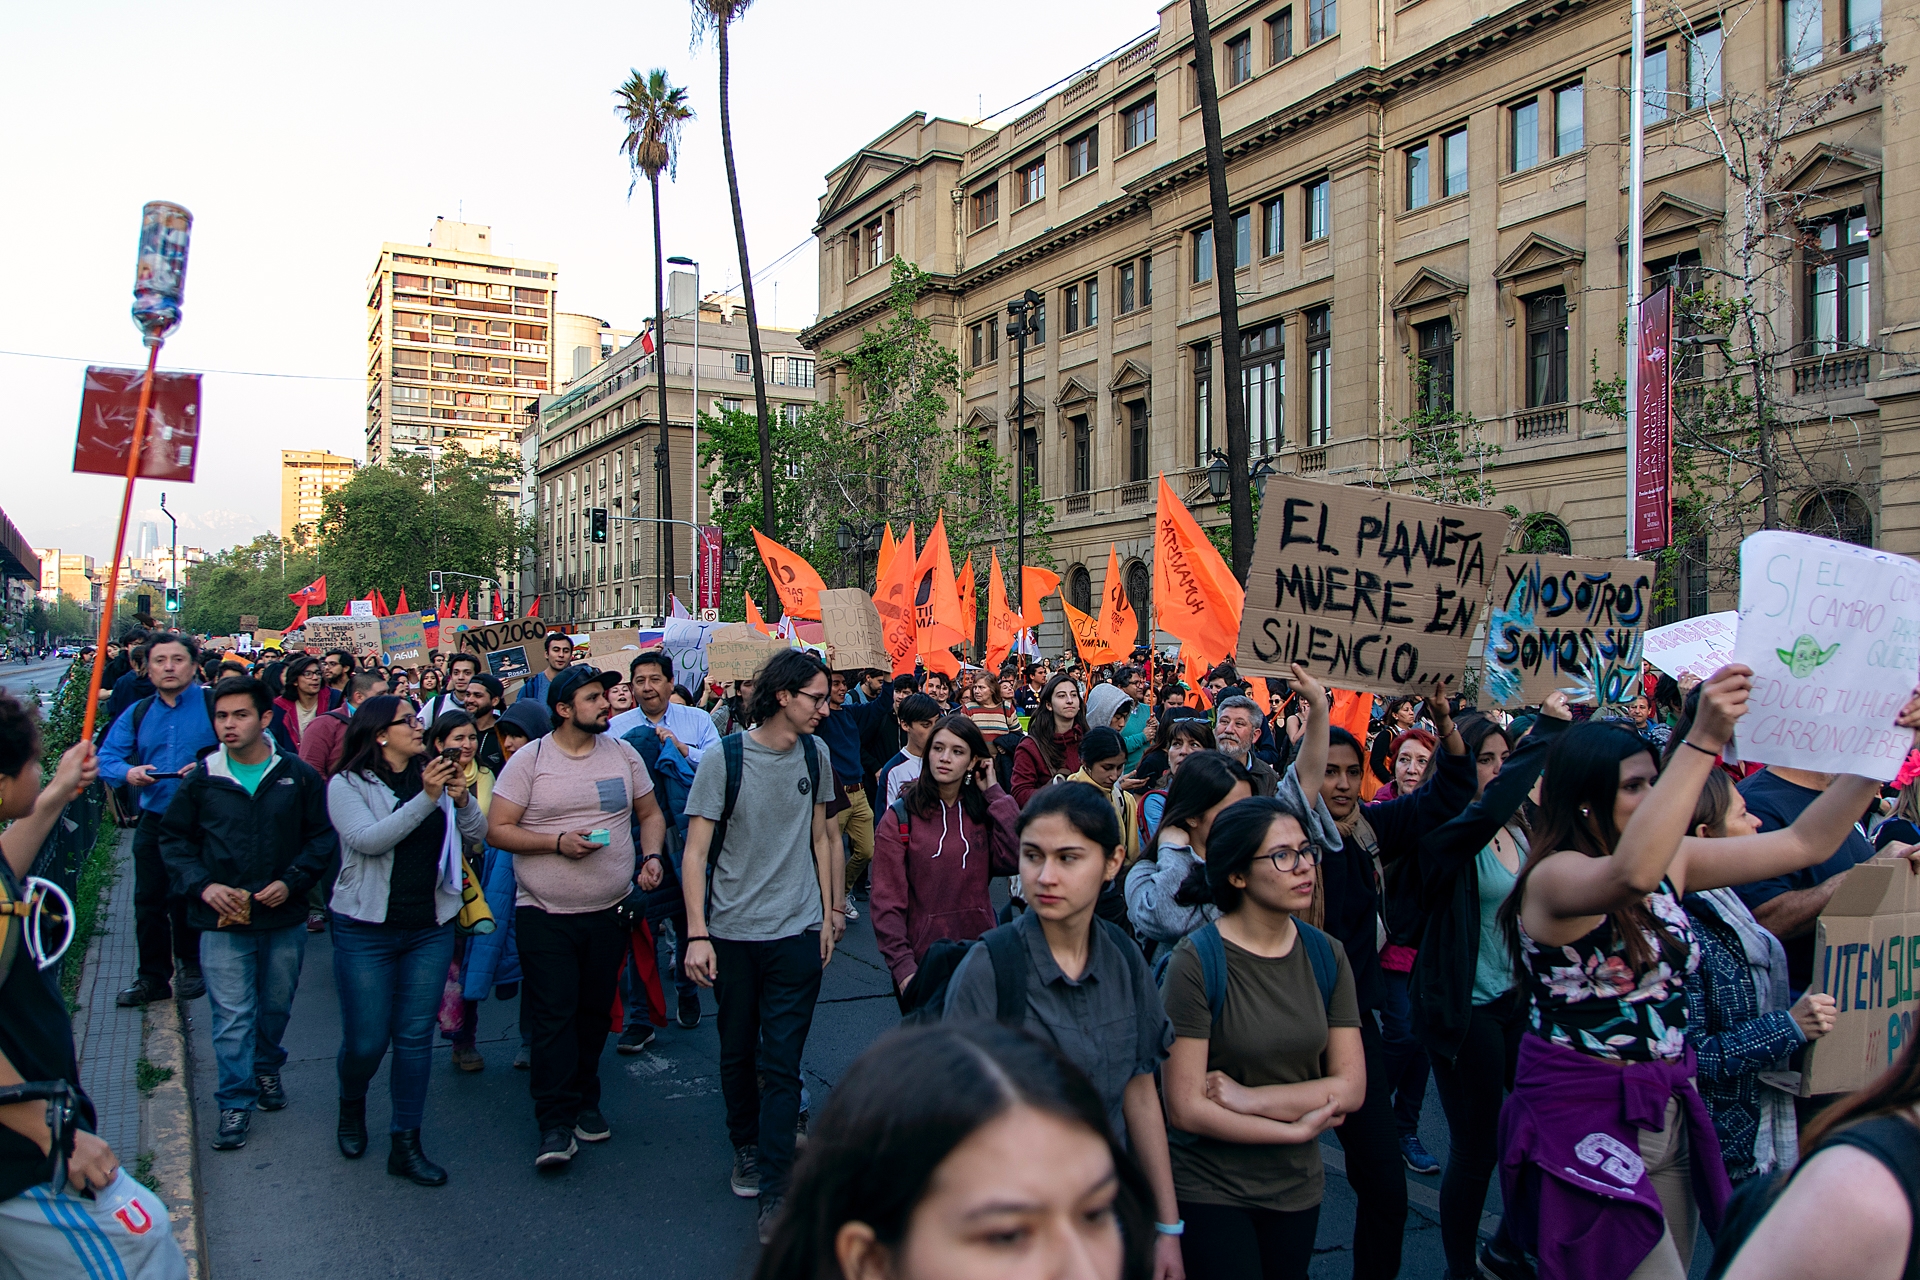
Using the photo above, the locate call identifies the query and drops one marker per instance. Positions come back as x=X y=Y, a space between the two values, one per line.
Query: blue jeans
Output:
x=251 y=977
x=390 y=983
x=1407 y=1062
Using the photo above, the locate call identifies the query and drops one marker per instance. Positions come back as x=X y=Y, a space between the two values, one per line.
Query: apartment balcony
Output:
x=1543 y=423
x=1833 y=373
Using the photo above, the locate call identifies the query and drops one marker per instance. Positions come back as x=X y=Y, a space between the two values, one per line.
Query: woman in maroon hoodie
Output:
x=1051 y=749
x=938 y=846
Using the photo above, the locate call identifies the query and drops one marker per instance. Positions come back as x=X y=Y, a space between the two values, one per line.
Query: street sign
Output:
x=709 y=615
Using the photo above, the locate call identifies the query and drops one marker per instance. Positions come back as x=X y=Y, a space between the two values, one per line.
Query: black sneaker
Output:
x=800 y=1129
x=635 y=1038
x=523 y=1058
x=557 y=1147
x=746 y=1172
x=591 y=1126
x=688 y=1013
x=233 y=1130
x=190 y=985
x=144 y=991
x=769 y=1216
x=1501 y=1267
x=273 y=1095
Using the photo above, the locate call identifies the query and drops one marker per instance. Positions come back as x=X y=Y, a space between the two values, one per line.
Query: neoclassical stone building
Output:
x=1438 y=184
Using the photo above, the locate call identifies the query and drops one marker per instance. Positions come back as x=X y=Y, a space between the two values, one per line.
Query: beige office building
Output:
x=597 y=442
x=70 y=574
x=459 y=343
x=306 y=477
x=1434 y=183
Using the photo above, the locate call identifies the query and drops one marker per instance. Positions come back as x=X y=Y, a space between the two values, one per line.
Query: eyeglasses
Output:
x=410 y=722
x=817 y=699
x=1288 y=860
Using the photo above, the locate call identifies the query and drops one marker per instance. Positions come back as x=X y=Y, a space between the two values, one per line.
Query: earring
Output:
x=1585 y=812
x=383 y=742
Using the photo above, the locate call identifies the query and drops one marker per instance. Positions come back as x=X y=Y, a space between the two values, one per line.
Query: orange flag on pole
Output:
x=754 y=619
x=1003 y=624
x=1118 y=623
x=969 y=606
x=893 y=597
x=884 y=560
x=1086 y=637
x=936 y=606
x=1352 y=711
x=794 y=580
x=1035 y=585
x=1195 y=671
x=1196 y=596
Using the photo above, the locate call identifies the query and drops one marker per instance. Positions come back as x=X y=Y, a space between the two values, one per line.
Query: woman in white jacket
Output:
x=401 y=818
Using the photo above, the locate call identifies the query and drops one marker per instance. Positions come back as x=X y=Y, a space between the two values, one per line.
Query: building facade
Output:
x=597 y=450
x=70 y=574
x=1430 y=210
x=459 y=343
x=306 y=478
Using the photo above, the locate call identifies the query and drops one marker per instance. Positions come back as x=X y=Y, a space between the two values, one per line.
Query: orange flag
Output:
x=1351 y=711
x=1086 y=637
x=893 y=597
x=1003 y=624
x=754 y=619
x=1196 y=596
x=1118 y=623
x=1195 y=670
x=884 y=560
x=1035 y=585
x=936 y=606
x=794 y=580
x=969 y=606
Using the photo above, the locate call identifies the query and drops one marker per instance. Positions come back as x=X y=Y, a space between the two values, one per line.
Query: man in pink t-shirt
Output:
x=562 y=808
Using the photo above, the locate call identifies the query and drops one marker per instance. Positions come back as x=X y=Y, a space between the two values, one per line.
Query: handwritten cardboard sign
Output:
x=358 y=636
x=507 y=648
x=1695 y=647
x=1369 y=590
x=1566 y=623
x=248 y=621
x=613 y=649
x=1832 y=632
x=402 y=639
x=738 y=651
x=1866 y=955
x=850 y=623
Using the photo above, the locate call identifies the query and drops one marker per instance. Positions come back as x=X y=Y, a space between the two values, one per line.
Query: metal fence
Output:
x=71 y=839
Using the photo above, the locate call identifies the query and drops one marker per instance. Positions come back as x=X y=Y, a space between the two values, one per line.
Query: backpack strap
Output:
x=899 y=811
x=1326 y=969
x=733 y=753
x=1008 y=954
x=138 y=713
x=813 y=768
x=1212 y=952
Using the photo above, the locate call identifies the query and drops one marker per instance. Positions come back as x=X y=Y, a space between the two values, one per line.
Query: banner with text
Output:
x=1695 y=647
x=509 y=649
x=358 y=636
x=1650 y=521
x=1369 y=590
x=403 y=640
x=1566 y=623
x=1832 y=632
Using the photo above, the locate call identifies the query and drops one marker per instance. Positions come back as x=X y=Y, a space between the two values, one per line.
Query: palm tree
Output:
x=1239 y=489
x=653 y=109
x=718 y=16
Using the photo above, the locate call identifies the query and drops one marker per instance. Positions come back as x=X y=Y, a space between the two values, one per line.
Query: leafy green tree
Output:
x=254 y=578
x=1447 y=456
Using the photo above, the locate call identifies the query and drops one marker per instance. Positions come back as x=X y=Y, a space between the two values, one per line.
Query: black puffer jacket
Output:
x=215 y=833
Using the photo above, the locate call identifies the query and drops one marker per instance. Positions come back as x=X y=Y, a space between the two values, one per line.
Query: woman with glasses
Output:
x=1266 y=1053
x=401 y=819
x=303 y=696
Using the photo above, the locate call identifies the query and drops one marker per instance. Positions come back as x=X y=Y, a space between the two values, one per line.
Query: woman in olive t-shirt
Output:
x=1251 y=1091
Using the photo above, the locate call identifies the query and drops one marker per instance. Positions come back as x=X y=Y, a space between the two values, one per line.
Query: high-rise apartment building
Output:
x=64 y=573
x=459 y=343
x=306 y=477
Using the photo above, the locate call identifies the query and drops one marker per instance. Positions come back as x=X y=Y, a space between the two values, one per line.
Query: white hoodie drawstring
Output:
x=966 y=846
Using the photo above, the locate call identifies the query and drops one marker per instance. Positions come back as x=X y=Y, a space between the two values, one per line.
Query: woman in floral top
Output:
x=1604 y=952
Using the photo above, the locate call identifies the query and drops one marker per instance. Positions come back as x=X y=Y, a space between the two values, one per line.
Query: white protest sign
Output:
x=685 y=641
x=1832 y=632
x=1697 y=647
x=360 y=609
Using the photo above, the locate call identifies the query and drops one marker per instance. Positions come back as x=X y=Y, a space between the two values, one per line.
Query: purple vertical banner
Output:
x=709 y=553
x=1651 y=495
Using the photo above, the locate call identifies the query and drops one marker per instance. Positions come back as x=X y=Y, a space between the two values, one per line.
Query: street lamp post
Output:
x=848 y=537
x=693 y=491
x=1018 y=328
x=173 y=552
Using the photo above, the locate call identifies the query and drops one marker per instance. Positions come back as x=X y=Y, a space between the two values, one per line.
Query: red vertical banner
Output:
x=1651 y=519
x=709 y=553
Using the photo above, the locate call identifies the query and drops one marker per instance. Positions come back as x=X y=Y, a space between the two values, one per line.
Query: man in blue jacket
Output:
x=151 y=748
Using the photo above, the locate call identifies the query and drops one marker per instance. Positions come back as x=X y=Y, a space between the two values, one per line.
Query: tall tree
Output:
x=1225 y=252
x=653 y=110
x=719 y=17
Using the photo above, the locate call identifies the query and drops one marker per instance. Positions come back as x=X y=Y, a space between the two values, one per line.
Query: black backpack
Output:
x=126 y=796
x=927 y=998
x=733 y=751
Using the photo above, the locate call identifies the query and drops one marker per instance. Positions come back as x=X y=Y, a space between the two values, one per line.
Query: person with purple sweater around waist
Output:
x=1609 y=1155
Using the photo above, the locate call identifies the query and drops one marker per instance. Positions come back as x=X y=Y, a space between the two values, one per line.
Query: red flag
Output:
x=298 y=618
x=794 y=580
x=1195 y=671
x=1086 y=637
x=884 y=560
x=401 y=607
x=462 y=613
x=379 y=603
x=314 y=592
x=936 y=608
x=754 y=619
x=534 y=610
x=1035 y=585
x=1003 y=624
x=499 y=608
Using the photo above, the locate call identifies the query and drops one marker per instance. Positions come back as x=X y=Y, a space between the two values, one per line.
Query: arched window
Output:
x=1542 y=534
x=1139 y=595
x=1840 y=514
x=1079 y=588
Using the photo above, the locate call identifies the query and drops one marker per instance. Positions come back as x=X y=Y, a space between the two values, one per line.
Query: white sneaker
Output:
x=853 y=912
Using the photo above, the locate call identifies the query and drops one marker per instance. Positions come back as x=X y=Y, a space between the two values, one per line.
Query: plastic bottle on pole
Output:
x=160 y=277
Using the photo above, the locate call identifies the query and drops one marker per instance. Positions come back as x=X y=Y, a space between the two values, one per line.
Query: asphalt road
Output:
x=653 y=1200
x=18 y=680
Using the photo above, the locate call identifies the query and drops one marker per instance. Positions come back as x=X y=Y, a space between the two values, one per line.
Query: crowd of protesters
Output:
x=1151 y=942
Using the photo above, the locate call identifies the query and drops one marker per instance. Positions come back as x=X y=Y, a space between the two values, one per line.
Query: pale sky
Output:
x=303 y=137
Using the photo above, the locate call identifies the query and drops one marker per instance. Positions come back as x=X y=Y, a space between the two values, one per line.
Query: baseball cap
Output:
x=574 y=679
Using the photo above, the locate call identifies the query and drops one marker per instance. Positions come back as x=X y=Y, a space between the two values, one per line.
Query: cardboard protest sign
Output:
x=402 y=639
x=266 y=638
x=248 y=621
x=850 y=624
x=1832 y=632
x=612 y=649
x=1369 y=590
x=1695 y=647
x=1866 y=955
x=685 y=642
x=507 y=648
x=358 y=636
x=737 y=652
x=1566 y=623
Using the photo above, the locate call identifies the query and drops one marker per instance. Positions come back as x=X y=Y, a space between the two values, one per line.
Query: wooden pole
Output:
x=119 y=543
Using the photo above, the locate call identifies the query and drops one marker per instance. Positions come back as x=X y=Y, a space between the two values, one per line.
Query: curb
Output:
x=167 y=1125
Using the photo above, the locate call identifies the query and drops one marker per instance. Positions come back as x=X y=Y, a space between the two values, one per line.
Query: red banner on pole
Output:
x=1651 y=487
x=709 y=553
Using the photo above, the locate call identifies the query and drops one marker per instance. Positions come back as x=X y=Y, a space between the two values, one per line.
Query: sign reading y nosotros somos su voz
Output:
x=1369 y=590
x=1566 y=623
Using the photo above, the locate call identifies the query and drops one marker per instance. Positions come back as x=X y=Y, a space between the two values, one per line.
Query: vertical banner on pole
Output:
x=1653 y=443
x=708 y=552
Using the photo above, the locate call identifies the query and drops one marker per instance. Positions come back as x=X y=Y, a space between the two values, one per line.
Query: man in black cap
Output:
x=561 y=808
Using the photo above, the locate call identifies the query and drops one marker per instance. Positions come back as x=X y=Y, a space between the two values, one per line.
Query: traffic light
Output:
x=433 y=581
x=173 y=599
x=597 y=523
